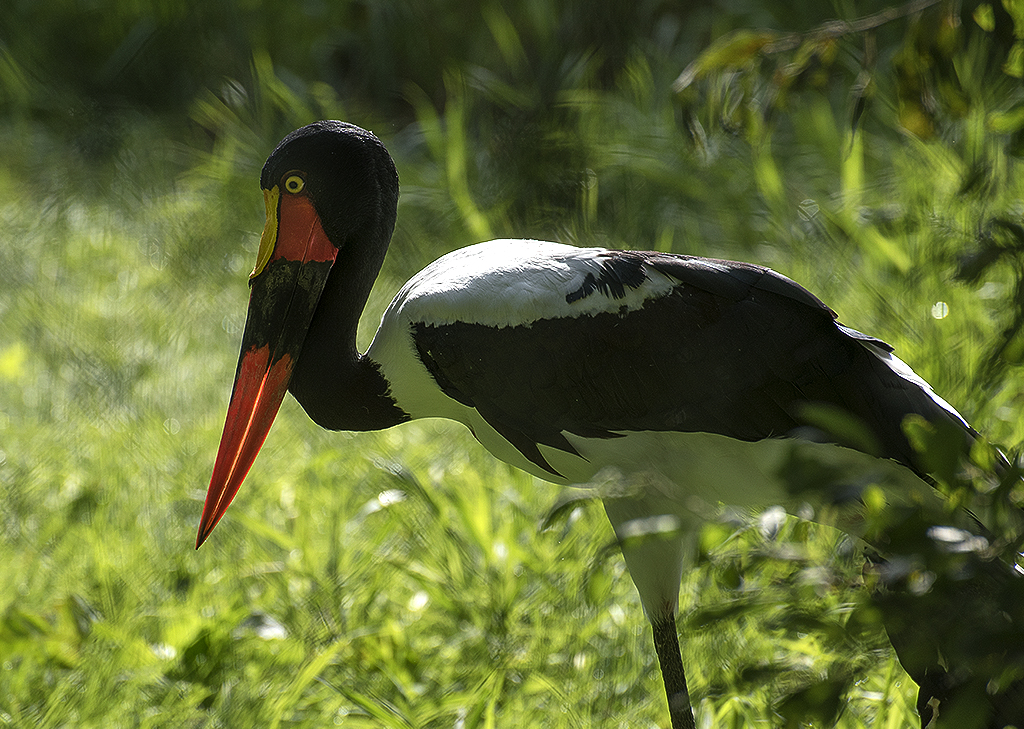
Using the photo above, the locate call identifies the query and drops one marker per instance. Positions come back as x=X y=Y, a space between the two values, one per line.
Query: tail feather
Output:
x=887 y=391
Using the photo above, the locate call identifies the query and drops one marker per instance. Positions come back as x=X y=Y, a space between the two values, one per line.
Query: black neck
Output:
x=339 y=388
x=354 y=396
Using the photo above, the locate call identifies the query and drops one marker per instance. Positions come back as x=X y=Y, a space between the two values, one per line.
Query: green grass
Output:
x=403 y=578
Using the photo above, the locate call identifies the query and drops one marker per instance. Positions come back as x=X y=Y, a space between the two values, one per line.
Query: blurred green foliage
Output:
x=398 y=578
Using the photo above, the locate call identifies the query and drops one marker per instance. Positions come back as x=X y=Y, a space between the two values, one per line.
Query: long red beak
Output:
x=292 y=267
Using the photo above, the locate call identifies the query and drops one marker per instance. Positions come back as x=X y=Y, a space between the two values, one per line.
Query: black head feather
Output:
x=350 y=177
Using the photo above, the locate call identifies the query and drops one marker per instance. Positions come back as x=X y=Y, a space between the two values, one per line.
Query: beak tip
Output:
x=203 y=534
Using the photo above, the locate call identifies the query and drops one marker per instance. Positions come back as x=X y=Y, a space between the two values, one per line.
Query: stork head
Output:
x=330 y=190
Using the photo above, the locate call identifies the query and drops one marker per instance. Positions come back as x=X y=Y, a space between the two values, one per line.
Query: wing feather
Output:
x=730 y=348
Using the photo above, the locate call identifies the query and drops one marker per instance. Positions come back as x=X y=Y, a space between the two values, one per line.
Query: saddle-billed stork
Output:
x=673 y=378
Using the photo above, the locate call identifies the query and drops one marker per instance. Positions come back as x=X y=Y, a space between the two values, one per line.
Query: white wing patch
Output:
x=511 y=282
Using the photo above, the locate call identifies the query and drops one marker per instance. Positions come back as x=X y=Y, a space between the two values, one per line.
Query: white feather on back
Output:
x=511 y=282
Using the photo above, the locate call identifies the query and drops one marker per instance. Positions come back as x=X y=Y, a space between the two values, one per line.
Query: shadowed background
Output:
x=405 y=578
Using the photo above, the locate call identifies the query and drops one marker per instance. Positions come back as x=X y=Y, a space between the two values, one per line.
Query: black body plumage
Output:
x=733 y=349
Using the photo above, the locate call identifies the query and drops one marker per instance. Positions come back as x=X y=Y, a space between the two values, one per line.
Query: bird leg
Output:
x=666 y=643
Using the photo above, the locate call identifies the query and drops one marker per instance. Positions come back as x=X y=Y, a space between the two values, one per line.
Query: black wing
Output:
x=733 y=349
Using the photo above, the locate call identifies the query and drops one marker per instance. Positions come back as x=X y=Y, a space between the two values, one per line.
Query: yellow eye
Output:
x=294 y=182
